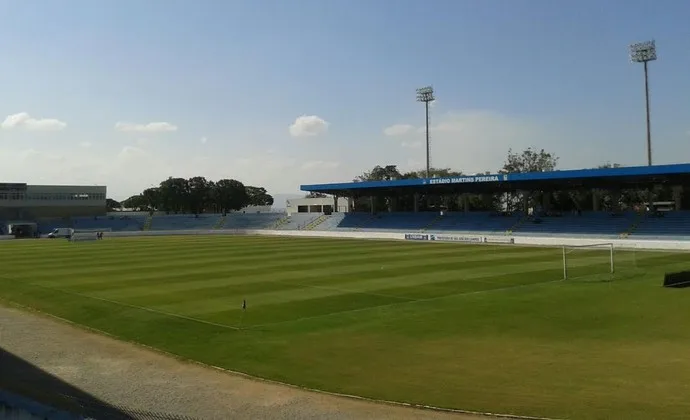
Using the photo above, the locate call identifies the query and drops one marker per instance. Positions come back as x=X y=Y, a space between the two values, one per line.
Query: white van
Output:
x=61 y=233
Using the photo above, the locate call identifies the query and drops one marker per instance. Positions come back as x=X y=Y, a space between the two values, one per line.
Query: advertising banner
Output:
x=416 y=237
x=499 y=240
x=455 y=238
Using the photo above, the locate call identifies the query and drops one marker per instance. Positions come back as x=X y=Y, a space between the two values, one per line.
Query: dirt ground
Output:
x=132 y=376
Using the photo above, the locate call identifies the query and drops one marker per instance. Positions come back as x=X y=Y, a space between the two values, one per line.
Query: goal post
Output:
x=590 y=259
x=79 y=235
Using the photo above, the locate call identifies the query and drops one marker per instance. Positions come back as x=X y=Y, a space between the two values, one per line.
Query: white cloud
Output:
x=398 y=129
x=23 y=120
x=308 y=126
x=203 y=140
x=85 y=144
x=152 y=127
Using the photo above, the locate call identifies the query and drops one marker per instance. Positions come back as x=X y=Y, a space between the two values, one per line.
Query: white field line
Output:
x=141 y=308
x=454 y=295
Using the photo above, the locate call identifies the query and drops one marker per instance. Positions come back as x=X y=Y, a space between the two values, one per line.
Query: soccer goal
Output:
x=85 y=235
x=591 y=260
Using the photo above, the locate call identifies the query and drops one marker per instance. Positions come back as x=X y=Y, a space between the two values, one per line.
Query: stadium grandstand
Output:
x=668 y=219
x=44 y=208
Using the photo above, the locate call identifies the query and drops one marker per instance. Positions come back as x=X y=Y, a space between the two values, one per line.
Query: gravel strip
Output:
x=131 y=376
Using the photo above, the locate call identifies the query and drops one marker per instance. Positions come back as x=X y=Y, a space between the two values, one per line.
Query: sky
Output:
x=274 y=93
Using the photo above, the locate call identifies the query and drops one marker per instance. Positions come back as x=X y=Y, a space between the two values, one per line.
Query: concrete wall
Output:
x=429 y=238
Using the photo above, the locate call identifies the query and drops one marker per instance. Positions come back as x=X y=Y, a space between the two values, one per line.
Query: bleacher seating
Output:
x=299 y=220
x=115 y=223
x=669 y=225
x=673 y=224
x=184 y=221
x=353 y=221
x=475 y=222
x=331 y=222
x=46 y=226
x=251 y=220
x=600 y=224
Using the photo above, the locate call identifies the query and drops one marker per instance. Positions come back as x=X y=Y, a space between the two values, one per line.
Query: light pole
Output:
x=644 y=52
x=426 y=95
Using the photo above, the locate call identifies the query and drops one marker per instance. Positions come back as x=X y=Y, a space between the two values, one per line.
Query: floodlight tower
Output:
x=644 y=52
x=426 y=95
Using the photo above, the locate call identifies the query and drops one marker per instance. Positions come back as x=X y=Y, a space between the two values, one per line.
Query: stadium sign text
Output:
x=416 y=237
x=468 y=179
x=450 y=238
x=499 y=240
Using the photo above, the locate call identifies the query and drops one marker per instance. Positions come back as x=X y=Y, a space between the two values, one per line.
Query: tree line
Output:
x=196 y=195
x=529 y=160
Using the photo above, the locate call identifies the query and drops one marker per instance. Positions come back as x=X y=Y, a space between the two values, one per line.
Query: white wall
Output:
x=292 y=205
x=426 y=237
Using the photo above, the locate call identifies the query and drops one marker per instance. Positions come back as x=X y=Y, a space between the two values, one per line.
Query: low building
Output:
x=318 y=205
x=31 y=202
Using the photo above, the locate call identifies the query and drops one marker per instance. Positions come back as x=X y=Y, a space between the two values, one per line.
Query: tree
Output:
x=527 y=161
x=112 y=205
x=230 y=194
x=198 y=194
x=135 y=202
x=258 y=196
x=380 y=173
x=151 y=199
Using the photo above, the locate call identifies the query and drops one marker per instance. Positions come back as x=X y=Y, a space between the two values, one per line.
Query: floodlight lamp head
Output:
x=643 y=52
x=425 y=94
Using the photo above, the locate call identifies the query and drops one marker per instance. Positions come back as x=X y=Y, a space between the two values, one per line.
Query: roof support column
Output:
x=677 y=196
x=415 y=202
x=335 y=204
x=372 y=204
x=546 y=201
x=465 y=203
x=596 y=200
x=616 y=200
x=525 y=201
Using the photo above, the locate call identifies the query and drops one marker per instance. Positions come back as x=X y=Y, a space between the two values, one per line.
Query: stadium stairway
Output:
x=517 y=224
x=221 y=222
x=331 y=222
x=635 y=223
x=432 y=223
x=281 y=222
x=294 y=221
x=314 y=223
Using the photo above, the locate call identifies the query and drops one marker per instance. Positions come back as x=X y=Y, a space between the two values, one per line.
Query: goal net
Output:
x=86 y=235
x=592 y=261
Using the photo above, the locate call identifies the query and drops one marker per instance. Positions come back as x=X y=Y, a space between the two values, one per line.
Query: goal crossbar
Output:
x=605 y=246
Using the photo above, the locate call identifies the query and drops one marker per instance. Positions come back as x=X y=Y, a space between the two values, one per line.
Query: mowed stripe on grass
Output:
x=427 y=323
x=210 y=280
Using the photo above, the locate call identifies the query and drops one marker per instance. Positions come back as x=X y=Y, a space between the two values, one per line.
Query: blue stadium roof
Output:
x=604 y=177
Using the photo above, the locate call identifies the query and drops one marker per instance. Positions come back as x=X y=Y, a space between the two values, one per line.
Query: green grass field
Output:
x=486 y=328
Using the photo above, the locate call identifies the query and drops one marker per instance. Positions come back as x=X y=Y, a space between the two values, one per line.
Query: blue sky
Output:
x=224 y=81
